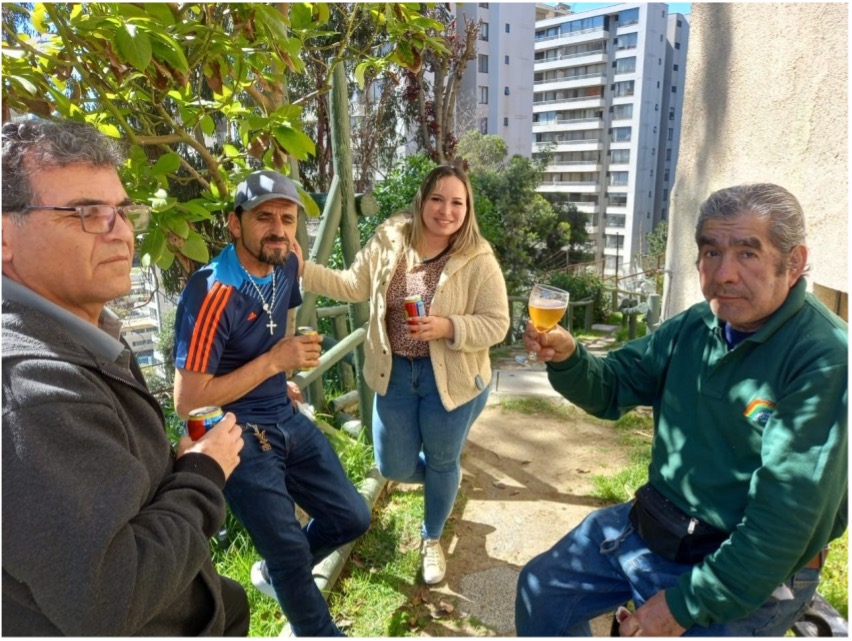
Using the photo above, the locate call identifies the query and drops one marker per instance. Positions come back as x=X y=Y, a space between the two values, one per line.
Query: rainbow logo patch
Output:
x=759 y=411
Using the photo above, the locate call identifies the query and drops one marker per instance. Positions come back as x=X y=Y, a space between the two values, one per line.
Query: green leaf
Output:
x=207 y=125
x=295 y=142
x=301 y=15
x=196 y=211
x=133 y=46
x=25 y=84
x=167 y=258
x=37 y=17
x=360 y=70
x=168 y=49
x=178 y=226
x=272 y=19
x=231 y=151
x=196 y=249
x=153 y=244
x=310 y=206
x=160 y=12
x=166 y=164
x=109 y=130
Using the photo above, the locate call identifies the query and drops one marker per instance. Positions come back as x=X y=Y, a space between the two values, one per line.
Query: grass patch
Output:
x=834 y=578
x=370 y=598
x=235 y=557
x=537 y=406
x=635 y=430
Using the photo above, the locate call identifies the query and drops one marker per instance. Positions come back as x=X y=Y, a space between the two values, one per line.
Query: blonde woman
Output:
x=431 y=375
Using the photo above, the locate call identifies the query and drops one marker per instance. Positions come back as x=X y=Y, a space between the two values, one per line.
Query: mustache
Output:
x=274 y=239
x=730 y=293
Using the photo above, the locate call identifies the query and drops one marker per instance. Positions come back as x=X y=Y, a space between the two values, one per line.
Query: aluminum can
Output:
x=414 y=307
x=306 y=330
x=200 y=420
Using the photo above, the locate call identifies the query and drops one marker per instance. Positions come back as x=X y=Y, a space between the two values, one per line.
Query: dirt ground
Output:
x=526 y=482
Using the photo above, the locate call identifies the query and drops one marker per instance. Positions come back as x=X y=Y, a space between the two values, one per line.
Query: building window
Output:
x=624 y=88
x=657 y=107
x=670 y=134
x=618 y=178
x=483 y=125
x=505 y=91
x=666 y=175
x=677 y=45
x=508 y=30
x=483 y=95
x=483 y=31
x=630 y=16
x=675 y=67
x=625 y=65
x=627 y=41
x=671 y=113
x=505 y=122
x=484 y=5
x=506 y=60
x=620 y=157
x=668 y=154
x=674 y=89
x=621 y=134
x=679 y=23
x=622 y=112
x=483 y=63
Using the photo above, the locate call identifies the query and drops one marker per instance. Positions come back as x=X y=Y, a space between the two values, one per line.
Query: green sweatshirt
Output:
x=752 y=440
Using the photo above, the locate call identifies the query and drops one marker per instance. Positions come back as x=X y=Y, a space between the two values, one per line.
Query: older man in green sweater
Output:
x=748 y=475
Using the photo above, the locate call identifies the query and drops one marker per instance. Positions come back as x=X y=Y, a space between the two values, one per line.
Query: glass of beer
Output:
x=547 y=306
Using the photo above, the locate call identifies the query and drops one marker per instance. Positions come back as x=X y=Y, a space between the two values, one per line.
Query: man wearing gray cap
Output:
x=234 y=343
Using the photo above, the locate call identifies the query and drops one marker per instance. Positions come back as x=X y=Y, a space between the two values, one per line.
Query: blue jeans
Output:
x=416 y=440
x=603 y=563
x=281 y=465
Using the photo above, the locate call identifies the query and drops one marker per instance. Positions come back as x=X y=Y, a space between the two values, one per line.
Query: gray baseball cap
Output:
x=264 y=185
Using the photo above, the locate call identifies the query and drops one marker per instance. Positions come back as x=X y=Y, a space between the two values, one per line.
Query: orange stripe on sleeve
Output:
x=205 y=327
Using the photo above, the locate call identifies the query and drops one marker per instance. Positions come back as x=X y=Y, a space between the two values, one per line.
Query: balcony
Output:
x=591 y=144
x=584 y=166
x=577 y=81
x=573 y=59
x=586 y=35
x=576 y=187
x=579 y=102
x=577 y=124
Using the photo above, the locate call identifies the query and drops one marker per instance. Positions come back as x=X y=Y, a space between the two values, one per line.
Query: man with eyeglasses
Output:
x=105 y=528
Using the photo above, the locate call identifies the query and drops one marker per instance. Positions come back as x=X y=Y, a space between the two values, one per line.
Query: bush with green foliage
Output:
x=584 y=285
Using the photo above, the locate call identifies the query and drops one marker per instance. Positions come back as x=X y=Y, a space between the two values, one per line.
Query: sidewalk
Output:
x=526 y=483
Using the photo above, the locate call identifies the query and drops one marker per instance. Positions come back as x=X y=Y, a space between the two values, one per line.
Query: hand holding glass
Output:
x=547 y=306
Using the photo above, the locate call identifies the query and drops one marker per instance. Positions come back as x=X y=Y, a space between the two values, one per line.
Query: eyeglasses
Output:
x=100 y=219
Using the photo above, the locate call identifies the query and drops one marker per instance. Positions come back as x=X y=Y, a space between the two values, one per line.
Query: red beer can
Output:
x=414 y=307
x=200 y=420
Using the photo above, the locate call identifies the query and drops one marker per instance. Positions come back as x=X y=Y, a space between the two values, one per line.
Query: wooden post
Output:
x=349 y=235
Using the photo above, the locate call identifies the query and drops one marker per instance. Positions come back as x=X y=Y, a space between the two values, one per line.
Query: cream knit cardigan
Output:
x=471 y=292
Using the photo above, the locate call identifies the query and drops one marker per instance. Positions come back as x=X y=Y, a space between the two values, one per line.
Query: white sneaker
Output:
x=434 y=563
x=260 y=579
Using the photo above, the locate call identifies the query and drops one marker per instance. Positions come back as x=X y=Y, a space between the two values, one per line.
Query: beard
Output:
x=275 y=257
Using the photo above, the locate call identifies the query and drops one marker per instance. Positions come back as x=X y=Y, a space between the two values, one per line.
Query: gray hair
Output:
x=764 y=200
x=42 y=144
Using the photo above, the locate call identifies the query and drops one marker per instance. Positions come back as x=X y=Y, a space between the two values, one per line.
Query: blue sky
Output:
x=674 y=7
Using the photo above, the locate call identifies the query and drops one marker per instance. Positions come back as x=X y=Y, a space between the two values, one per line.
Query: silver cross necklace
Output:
x=267 y=307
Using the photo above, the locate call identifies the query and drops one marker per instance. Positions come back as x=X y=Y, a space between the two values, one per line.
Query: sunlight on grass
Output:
x=370 y=599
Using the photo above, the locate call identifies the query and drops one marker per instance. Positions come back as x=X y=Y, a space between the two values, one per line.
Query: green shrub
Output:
x=584 y=285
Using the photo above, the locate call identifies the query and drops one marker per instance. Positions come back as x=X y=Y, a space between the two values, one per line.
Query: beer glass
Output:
x=547 y=306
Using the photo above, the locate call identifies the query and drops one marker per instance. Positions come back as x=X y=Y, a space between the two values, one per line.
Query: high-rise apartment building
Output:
x=607 y=101
x=496 y=93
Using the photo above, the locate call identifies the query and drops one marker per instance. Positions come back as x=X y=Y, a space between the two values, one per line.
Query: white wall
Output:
x=765 y=101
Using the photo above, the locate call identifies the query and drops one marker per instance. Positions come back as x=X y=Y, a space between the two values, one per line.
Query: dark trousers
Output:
x=236 y=608
x=281 y=465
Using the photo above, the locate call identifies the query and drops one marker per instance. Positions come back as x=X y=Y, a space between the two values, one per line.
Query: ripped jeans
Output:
x=603 y=563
